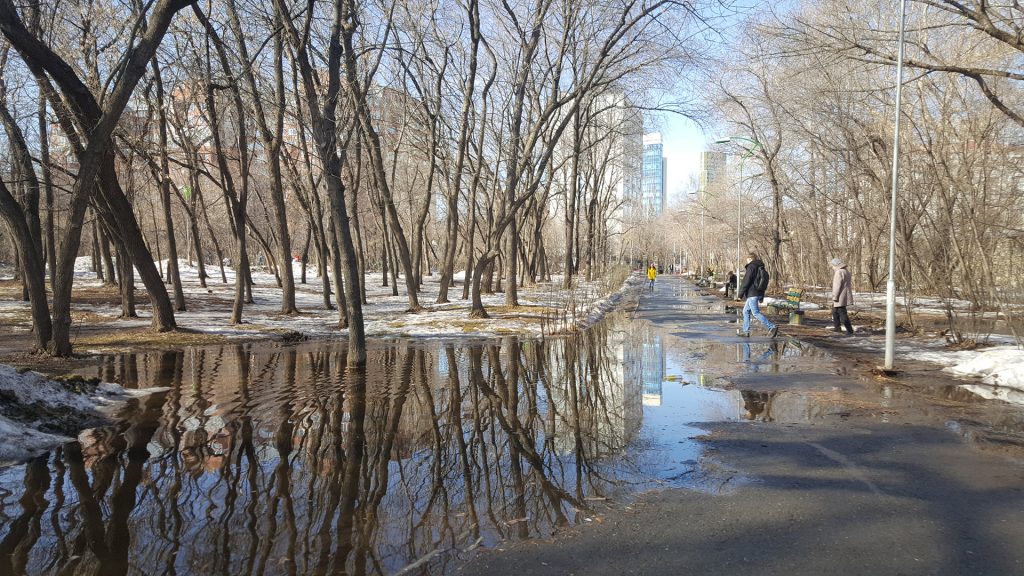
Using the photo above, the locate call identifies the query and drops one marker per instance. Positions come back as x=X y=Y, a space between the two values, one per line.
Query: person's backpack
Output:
x=761 y=279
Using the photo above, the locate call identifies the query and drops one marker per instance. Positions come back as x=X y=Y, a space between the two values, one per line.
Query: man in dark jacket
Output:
x=754 y=294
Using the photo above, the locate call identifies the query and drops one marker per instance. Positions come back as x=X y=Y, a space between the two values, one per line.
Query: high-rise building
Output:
x=712 y=173
x=620 y=157
x=652 y=197
x=610 y=156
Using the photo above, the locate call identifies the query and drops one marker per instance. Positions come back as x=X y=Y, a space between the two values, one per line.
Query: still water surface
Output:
x=269 y=459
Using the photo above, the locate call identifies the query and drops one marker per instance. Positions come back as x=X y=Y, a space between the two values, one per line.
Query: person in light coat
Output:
x=842 y=296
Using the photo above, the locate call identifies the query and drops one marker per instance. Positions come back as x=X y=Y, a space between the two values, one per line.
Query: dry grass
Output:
x=516 y=311
x=118 y=340
x=470 y=325
x=90 y=317
x=16 y=317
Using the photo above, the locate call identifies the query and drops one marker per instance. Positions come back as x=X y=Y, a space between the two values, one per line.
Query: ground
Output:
x=544 y=308
x=838 y=469
x=846 y=499
x=911 y=474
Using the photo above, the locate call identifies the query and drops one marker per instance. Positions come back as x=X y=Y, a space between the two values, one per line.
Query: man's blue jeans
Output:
x=751 y=308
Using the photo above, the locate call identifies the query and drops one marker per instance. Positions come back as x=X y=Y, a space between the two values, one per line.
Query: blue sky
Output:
x=683 y=142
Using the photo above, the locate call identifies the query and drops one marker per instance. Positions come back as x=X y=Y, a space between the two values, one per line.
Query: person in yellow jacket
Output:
x=652 y=273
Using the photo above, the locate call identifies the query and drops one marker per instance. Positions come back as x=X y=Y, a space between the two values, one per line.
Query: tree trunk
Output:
x=33 y=271
x=305 y=254
x=339 y=278
x=126 y=276
x=323 y=261
x=512 y=262
x=44 y=165
x=165 y=193
x=476 y=309
x=362 y=111
x=109 y=275
x=571 y=194
x=111 y=196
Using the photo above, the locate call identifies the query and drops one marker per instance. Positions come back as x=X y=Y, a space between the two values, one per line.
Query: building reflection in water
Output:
x=275 y=459
x=652 y=367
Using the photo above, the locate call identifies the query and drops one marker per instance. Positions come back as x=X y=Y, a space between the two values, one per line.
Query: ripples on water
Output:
x=276 y=460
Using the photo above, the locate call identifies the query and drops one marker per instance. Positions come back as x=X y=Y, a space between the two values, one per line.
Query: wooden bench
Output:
x=790 y=304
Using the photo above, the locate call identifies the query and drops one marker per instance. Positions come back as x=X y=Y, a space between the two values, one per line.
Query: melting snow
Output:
x=1002 y=366
x=21 y=439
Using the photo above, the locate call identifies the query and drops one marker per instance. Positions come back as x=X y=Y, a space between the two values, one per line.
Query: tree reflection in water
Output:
x=276 y=460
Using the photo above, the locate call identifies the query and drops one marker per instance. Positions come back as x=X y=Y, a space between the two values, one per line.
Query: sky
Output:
x=683 y=141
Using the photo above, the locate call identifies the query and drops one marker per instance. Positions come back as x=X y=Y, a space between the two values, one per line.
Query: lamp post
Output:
x=700 y=256
x=890 y=292
x=739 y=214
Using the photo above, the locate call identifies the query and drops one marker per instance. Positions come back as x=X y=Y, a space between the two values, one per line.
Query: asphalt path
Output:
x=904 y=494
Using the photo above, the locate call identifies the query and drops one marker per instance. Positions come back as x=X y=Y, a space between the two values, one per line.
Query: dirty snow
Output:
x=876 y=301
x=544 y=308
x=803 y=305
x=1000 y=366
x=1000 y=369
x=21 y=439
x=1011 y=395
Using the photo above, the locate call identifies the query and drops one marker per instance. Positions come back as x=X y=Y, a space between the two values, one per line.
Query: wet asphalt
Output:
x=873 y=492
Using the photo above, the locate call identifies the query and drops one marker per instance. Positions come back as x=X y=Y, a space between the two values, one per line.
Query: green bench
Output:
x=791 y=304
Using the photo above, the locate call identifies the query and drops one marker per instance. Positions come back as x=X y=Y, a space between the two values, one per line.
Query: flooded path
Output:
x=273 y=459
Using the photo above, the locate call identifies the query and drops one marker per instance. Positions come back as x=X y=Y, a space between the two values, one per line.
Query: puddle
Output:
x=268 y=458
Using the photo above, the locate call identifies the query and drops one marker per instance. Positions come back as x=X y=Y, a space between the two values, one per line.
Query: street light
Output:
x=701 y=259
x=739 y=215
x=890 y=292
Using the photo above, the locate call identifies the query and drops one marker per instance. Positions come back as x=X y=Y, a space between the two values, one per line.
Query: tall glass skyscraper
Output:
x=712 y=174
x=652 y=195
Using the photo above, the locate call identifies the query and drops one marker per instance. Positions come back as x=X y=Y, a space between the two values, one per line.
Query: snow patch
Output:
x=1011 y=395
x=1002 y=366
x=803 y=305
x=37 y=413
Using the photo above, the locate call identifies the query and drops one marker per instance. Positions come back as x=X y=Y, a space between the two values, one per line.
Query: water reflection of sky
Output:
x=258 y=459
x=247 y=464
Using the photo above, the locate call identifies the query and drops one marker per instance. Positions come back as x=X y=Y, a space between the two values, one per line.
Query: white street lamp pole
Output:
x=703 y=252
x=890 y=292
x=739 y=224
x=739 y=205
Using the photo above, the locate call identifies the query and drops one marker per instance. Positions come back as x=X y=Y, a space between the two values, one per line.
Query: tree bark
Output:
x=97 y=122
x=272 y=140
x=324 y=121
x=165 y=193
x=32 y=267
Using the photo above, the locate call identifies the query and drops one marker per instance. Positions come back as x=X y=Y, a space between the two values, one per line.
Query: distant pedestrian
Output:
x=652 y=273
x=755 y=282
x=842 y=296
x=730 y=284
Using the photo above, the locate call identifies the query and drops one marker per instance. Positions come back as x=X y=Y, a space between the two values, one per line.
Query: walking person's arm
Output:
x=848 y=281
